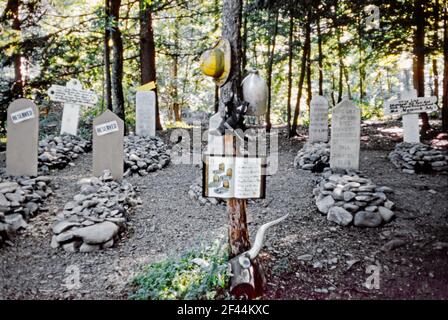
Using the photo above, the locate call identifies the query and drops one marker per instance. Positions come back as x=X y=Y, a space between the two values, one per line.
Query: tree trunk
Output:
x=435 y=70
x=270 y=66
x=107 y=80
x=320 y=59
x=290 y=58
x=341 y=69
x=419 y=58
x=12 y=13
x=361 y=69
x=148 y=53
x=445 y=69
x=231 y=92
x=117 y=61
x=174 y=80
x=308 y=78
x=301 y=79
x=349 y=90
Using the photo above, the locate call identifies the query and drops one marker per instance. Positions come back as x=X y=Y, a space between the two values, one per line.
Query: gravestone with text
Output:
x=145 y=113
x=409 y=106
x=108 y=136
x=345 y=136
x=318 y=131
x=23 y=135
x=73 y=96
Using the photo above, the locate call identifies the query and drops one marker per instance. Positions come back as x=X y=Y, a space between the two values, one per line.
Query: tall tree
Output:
x=11 y=13
x=419 y=56
x=290 y=59
x=306 y=45
x=107 y=77
x=117 y=60
x=148 y=52
x=271 y=49
x=445 y=68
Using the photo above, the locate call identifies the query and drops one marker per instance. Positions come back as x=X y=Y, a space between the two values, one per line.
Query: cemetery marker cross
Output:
x=73 y=96
x=409 y=106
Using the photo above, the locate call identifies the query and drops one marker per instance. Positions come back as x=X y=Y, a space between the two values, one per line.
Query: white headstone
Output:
x=23 y=135
x=108 y=153
x=345 y=136
x=73 y=96
x=318 y=131
x=145 y=113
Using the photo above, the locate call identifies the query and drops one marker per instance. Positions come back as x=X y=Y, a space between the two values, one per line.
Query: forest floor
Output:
x=305 y=257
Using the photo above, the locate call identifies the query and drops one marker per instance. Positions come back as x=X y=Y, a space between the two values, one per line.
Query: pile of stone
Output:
x=347 y=198
x=56 y=152
x=144 y=155
x=20 y=199
x=95 y=216
x=195 y=194
x=313 y=156
x=418 y=158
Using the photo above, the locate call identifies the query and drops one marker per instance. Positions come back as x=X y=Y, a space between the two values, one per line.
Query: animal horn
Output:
x=259 y=238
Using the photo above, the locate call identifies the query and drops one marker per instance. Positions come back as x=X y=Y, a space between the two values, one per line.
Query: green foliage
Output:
x=182 y=278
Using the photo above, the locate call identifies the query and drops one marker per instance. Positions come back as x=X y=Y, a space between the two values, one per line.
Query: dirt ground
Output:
x=306 y=257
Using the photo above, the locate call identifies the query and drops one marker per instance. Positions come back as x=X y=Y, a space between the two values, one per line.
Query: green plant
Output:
x=197 y=274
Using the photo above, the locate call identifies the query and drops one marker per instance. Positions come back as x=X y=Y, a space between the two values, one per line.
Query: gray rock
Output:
x=393 y=244
x=97 y=233
x=85 y=247
x=305 y=257
x=386 y=214
x=367 y=219
x=339 y=216
x=62 y=226
x=15 y=221
x=324 y=204
x=348 y=195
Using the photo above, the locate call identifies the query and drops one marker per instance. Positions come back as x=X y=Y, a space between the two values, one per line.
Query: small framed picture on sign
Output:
x=234 y=177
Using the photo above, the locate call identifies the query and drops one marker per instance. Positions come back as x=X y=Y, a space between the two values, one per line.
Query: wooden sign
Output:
x=234 y=177
x=73 y=96
x=410 y=105
x=108 y=153
x=318 y=131
x=23 y=135
x=345 y=136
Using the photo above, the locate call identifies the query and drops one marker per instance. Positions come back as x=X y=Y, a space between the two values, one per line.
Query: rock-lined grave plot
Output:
x=144 y=155
x=346 y=198
x=56 y=152
x=313 y=156
x=96 y=215
x=20 y=199
x=418 y=158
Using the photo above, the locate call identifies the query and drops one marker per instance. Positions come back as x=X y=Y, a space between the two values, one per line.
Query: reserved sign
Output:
x=22 y=115
x=106 y=128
